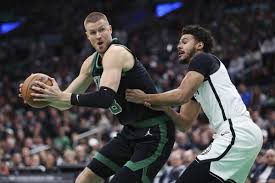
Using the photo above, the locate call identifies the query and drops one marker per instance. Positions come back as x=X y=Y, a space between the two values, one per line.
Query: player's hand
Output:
x=20 y=91
x=155 y=107
x=135 y=96
x=43 y=92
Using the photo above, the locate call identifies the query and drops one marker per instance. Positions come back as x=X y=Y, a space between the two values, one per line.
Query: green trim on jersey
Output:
x=151 y=122
x=144 y=177
x=97 y=59
x=106 y=161
x=134 y=166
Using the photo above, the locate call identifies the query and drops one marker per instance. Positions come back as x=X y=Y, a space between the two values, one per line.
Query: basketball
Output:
x=26 y=89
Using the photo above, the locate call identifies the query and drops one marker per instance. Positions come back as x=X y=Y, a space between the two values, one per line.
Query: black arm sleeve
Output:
x=101 y=99
x=204 y=63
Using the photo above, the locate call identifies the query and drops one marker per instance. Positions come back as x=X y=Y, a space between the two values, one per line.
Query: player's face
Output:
x=270 y=157
x=186 y=48
x=99 y=34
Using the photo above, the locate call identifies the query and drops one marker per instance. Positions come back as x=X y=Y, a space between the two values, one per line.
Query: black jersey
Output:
x=135 y=78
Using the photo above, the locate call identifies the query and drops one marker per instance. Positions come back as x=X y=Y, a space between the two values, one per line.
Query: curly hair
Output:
x=200 y=34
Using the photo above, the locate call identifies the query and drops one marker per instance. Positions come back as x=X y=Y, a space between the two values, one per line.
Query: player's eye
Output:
x=101 y=30
x=92 y=32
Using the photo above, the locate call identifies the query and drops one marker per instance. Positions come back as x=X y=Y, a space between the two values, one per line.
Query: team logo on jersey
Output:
x=196 y=94
x=224 y=133
x=206 y=150
x=148 y=133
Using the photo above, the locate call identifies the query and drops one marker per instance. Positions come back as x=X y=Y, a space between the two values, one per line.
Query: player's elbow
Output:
x=184 y=124
x=183 y=96
x=103 y=98
x=181 y=99
x=108 y=102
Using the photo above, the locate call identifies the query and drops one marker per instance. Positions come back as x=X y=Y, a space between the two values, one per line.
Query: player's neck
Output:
x=196 y=53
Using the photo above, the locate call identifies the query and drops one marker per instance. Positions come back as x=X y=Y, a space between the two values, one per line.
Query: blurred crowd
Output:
x=46 y=139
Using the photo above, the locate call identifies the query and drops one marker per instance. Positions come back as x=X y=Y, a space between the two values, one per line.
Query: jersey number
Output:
x=115 y=108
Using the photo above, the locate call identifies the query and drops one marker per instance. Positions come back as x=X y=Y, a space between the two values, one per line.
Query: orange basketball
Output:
x=26 y=89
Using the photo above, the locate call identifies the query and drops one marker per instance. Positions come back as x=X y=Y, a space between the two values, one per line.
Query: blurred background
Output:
x=47 y=145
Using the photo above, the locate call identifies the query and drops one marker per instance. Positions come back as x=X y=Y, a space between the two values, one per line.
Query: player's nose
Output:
x=178 y=46
x=98 y=35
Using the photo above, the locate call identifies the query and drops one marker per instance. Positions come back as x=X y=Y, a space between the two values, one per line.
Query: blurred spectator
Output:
x=35 y=163
x=265 y=172
x=188 y=157
x=175 y=168
x=81 y=155
x=245 y=94
x=256 y=117
x=50 y=162
x=258 y=98
x=62 y=142
x=182 y=141
x=17 y=161
x=4 y=169
x=69 y=157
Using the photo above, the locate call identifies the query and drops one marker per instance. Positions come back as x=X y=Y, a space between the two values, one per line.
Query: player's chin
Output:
x=101 y=50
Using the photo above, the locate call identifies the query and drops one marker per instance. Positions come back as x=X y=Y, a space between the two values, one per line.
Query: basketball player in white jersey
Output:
x=207 y=87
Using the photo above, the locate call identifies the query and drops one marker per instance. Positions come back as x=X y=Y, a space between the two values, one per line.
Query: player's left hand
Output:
x=45 y=92
x=135 y=95
x=20 y=92
x=155 y=107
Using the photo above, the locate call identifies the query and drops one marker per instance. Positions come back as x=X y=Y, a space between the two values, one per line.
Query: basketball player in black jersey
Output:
x=139 y=151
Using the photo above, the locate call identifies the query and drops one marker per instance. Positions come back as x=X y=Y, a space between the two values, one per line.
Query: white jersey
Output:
x=237 y=140
x=219 y=98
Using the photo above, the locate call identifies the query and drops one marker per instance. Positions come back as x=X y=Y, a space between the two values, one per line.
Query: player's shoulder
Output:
x=88 y=62
x=205 y=59
x=203 y=56
x=118 y=50
x=204 y=63
x=90 y=58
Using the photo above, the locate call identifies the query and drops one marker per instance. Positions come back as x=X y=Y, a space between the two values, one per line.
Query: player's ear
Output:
x=111 y=29
x=87 y=35
x=200 y=45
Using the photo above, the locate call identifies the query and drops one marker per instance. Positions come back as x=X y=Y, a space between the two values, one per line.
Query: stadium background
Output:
x=48 y=145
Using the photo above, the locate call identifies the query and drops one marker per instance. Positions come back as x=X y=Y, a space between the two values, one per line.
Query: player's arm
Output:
x=114 y=61
x=188 y=113
x=179 y=96
x=200 y=67
x=79 y=85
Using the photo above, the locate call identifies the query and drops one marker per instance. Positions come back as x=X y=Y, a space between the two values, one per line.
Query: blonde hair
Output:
x=94 y=17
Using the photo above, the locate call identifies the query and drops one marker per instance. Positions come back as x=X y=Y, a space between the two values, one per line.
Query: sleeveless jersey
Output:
x=135 y=78
x=217 y=95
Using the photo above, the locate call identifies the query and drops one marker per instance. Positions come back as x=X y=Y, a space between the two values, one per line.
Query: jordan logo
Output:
x=148 y=133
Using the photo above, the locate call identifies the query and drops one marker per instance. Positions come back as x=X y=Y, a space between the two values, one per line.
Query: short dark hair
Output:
x=200 y=34
x=94 y=17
